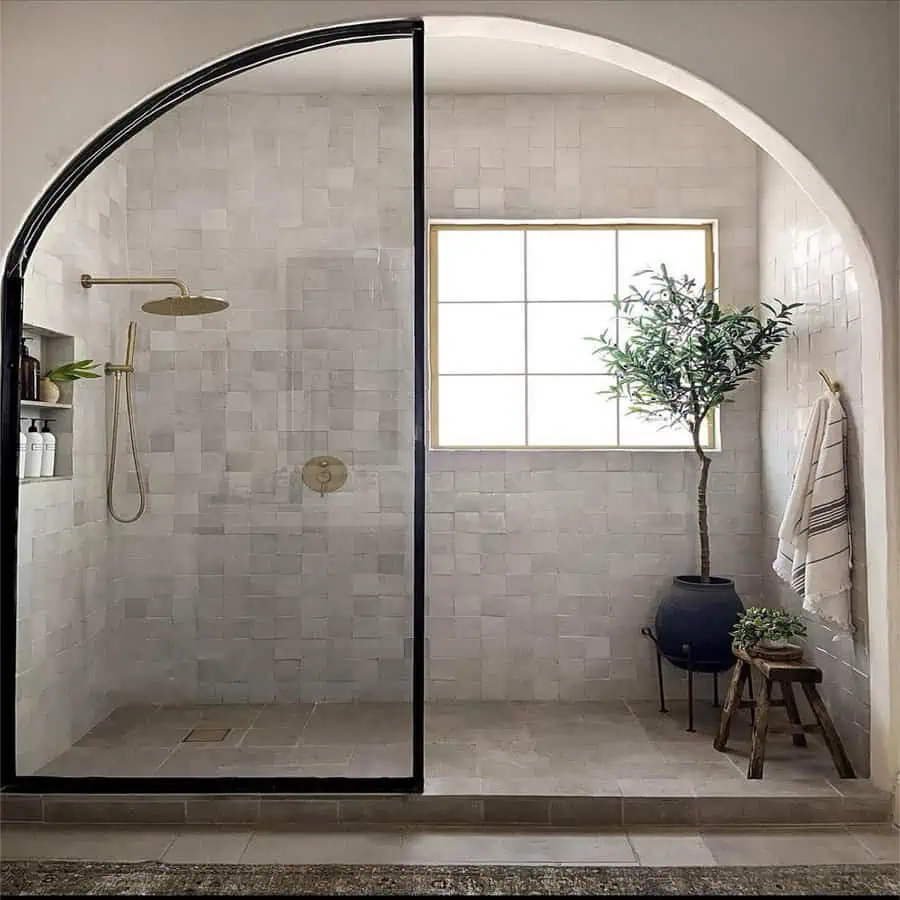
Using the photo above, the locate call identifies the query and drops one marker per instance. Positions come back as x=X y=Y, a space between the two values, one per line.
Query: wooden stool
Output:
x=785 y=674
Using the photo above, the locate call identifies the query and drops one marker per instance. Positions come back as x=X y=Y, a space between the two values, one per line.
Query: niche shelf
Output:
x=52 y=348
x=40 y=404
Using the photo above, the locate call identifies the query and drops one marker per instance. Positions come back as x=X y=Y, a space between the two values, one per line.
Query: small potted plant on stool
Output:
x=768 y=633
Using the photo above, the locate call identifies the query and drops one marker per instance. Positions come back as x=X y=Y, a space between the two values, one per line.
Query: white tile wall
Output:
x=66 y=612
x=545 y=565
x=804 y=260
x=298 y=211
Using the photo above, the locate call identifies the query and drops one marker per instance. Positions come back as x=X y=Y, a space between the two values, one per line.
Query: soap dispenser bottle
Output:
x=29 y=373
x=23 y=448
x=34 y=451
x=48 y=456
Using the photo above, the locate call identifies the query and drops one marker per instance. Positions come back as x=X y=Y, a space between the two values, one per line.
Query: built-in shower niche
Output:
x=53 y=348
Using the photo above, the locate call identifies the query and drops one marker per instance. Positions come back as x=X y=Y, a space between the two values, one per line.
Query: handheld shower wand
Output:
x=119 y=372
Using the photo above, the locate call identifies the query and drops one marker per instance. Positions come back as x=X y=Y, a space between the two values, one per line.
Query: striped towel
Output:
x=814 y=546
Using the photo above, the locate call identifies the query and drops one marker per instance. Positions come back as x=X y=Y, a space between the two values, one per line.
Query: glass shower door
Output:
x=264 y=618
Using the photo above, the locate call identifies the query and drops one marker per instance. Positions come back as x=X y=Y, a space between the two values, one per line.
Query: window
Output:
x=511 y=306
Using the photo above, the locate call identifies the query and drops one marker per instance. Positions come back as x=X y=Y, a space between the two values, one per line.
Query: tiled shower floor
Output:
x=471 y=748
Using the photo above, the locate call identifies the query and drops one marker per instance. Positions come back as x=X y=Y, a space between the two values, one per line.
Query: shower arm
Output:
x=88 y=281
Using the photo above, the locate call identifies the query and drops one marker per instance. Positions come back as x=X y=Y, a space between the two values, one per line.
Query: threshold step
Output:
x=860 y=803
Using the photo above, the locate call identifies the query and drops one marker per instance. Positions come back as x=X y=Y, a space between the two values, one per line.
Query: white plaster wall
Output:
x=147 y=43
x=803 y=260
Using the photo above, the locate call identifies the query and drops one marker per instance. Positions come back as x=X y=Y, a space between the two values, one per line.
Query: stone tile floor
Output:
x=471 y=748
x=810 y=845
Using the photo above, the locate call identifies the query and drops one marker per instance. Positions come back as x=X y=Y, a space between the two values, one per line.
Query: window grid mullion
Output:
x=616 y=276
x=525 y=322
x=618 y=332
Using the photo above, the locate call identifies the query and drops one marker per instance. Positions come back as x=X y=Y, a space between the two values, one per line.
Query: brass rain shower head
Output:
x=185 y=304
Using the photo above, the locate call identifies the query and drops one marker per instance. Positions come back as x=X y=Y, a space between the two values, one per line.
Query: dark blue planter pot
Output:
x=701 y=615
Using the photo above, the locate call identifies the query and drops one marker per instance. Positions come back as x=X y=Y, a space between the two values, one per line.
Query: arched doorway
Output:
x=882 y=589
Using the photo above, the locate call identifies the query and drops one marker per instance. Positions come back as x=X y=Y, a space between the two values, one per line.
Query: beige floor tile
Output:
x=320 y=754
x=491 y=846
x=881 y=841
x=571 y=749
x=284 y=715
x=119 y=760
x=741 y=786
x=230 y=715
x=670 y=847
x=453 y=784
x=155 y=736
x=271 y=737
x=325 y=847
x=390 y=760
x=655 y=787
x=771 y=846
x=177 y=715
x=121 y=844
x=208 y=845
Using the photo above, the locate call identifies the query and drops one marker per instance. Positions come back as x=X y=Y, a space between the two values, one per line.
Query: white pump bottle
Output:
x=34 y=451
x=48 y=457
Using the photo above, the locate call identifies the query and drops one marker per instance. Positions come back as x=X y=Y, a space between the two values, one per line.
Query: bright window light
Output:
x=511 y=308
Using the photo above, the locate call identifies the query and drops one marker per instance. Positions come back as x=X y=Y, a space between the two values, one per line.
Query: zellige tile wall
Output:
x=65 y=609
x=543 y=566
x=804 y=260
x=297 y=210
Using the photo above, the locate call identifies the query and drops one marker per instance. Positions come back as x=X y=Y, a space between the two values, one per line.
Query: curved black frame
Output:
x=21 y=249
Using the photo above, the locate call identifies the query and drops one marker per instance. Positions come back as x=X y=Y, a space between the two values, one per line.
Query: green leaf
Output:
x=82 y=368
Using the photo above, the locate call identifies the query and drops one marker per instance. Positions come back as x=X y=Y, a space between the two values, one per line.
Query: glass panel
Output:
x=683 y=251
x=480 y=265
x=557 y=335
x=244 y=609
x=636 y=431
x=571 y=264
x=568 y=411
x=485 y=338
x=477 y=411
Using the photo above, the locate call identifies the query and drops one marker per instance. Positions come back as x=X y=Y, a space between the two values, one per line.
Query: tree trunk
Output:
x=702 y=519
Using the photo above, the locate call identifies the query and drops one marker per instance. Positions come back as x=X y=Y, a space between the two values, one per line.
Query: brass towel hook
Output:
x=832 y=386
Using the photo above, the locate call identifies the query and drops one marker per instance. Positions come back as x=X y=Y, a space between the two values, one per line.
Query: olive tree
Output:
x=684 y=356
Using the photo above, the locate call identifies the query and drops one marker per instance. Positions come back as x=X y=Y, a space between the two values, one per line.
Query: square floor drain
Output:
x=206 y=735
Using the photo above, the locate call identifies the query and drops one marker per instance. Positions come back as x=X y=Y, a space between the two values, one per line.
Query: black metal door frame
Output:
x=15 y=266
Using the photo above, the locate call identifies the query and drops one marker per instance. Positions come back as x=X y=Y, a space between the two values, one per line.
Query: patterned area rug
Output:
x=42 y=878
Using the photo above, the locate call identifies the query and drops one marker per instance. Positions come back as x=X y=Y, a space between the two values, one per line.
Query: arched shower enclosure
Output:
x=242 y=556
x=253 y=543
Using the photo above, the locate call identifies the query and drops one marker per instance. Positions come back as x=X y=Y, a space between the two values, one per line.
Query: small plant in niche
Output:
x=82 y=368
x=67 y=372
x=771 y=628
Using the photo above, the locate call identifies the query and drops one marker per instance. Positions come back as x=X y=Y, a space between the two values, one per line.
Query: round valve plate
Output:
x=324 y=474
